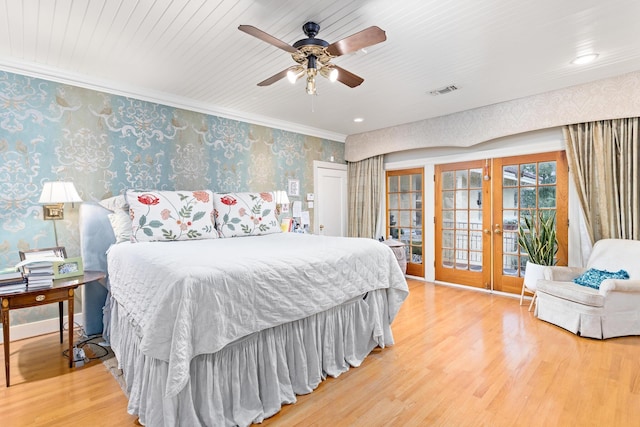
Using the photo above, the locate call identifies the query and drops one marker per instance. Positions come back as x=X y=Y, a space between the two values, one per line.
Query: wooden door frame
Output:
x=413 y=269
x=513 y=284
x=480 y=279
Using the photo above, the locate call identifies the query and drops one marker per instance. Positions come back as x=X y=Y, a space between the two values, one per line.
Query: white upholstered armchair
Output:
x=613 y=310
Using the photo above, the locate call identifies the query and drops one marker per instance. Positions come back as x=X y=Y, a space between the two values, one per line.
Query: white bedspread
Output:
x=195 y=297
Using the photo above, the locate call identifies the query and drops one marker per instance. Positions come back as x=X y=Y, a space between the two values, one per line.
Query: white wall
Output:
x=526 y=143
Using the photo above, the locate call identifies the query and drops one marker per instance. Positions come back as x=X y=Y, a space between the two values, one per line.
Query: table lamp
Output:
x=54 y=195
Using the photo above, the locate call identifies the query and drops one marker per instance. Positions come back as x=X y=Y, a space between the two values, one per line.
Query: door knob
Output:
x=486 y=231
x=497 y=230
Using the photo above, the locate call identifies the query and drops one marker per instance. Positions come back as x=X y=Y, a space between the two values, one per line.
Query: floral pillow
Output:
x=245 y=214
x=171 y=215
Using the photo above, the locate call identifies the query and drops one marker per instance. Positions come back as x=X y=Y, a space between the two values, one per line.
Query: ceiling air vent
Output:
x=444 y=90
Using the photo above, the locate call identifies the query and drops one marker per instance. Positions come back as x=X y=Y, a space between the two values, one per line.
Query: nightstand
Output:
x=62 y=290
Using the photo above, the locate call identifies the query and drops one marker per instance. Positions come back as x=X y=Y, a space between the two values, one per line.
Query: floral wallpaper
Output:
x=106 y=144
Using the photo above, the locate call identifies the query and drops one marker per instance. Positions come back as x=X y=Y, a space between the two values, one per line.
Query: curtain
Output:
x=604 y=158
x=366 y=179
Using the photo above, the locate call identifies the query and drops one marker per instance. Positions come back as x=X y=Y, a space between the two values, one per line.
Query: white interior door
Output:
x=330 y=204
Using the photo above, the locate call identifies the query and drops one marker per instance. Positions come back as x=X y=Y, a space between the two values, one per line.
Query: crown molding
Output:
x=65 y=77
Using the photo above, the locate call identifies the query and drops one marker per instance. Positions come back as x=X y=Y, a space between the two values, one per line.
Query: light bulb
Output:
x=292 y=76
x=333 y=75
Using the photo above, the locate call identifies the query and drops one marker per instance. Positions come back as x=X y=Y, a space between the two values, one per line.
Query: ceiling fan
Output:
x=314 y=55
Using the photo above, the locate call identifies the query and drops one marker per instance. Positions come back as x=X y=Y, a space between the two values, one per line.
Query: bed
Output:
x=224 y=331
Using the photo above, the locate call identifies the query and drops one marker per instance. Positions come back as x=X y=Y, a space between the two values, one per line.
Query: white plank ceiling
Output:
x=190 y=53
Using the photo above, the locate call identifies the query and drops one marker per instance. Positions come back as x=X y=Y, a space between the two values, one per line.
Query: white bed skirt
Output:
x=250 y=379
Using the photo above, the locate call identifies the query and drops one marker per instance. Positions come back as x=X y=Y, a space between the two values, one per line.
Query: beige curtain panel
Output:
x=364 y=196
x=604 y=158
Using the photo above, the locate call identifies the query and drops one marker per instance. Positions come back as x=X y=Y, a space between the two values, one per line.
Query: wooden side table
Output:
x=62 y=290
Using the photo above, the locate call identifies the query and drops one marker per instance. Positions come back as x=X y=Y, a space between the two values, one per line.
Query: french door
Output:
x=404 y=215
x=478 y=207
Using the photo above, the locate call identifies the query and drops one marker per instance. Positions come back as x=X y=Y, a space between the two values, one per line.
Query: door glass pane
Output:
x=510 y=242
x=393 y=184
x=462 y=262
x=475 y=240
x=447 y=199
x=393 y=217
x=475 y=261
x=393 y=201
x=418 y=218
x=404 y=183
x=527 y=197
x=461 y=239
x=405 y=219
x=510 y=265
x=509 y=220
x=447 y=238
x=547 y=172
x=447 y=258
x=510 y=198
x=416 y=254
x=393 y=233
x=447 y=219
x=461 y=179
x=405 y=201
x=461 y=219
x=547 y=197
x=509 y=176
x=475 y=176
x=447 y=180
x=416 y=181
x=405 y=235
x=528 y=175
x=462 y=199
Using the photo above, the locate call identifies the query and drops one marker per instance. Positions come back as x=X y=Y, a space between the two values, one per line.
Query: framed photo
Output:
x=294 y=187
x=54 y=252
x=68 y=268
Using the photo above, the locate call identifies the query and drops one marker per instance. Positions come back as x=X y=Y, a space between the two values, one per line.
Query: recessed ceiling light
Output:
x=358 y=120
x=585 y=59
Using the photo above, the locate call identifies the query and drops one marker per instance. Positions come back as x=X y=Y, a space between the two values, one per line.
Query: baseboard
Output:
x=42 y=327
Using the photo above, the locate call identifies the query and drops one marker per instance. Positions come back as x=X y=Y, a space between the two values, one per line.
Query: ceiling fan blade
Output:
x=253 y=31
x=367 y=37
x=348 y=78
x=276 y=77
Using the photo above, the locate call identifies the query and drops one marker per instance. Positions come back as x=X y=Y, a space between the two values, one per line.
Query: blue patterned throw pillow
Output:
x=593 y=277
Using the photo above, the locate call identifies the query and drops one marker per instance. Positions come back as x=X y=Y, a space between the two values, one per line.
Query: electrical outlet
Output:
x=78 y=357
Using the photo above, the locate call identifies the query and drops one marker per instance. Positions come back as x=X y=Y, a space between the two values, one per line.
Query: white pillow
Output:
x=171 y=215
x=245 y=214
x=121 y=224
x=115 y=203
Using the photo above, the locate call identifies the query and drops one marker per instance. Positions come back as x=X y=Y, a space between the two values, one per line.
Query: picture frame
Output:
x=293 y=187
x=55 y=251
x=69 y=267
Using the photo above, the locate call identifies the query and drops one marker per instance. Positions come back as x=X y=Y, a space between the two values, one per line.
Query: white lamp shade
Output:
x=281 y=197
x=59 y=192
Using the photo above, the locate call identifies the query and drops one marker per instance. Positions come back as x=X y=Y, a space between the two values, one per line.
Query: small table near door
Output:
x=62 y=290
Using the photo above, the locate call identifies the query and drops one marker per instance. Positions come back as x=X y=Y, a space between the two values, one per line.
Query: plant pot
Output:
x=532 y=274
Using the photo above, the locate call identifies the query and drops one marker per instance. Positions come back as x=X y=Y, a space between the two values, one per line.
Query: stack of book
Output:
x=11 y=280
x=39 y=274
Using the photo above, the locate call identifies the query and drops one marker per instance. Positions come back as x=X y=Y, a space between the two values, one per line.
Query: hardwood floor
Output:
x=462 y=358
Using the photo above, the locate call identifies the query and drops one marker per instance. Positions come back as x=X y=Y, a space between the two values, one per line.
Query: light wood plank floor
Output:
x=462 y=358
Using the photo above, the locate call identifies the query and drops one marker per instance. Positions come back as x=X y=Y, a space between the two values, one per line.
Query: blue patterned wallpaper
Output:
x=106 y=143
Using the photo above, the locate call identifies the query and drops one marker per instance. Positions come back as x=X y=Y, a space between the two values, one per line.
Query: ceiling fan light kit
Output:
x=314 y=55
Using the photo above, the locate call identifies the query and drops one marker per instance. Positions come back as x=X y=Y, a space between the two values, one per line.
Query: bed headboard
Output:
x=96 y=236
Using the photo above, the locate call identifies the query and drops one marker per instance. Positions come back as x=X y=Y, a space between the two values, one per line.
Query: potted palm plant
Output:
x=537 y=237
